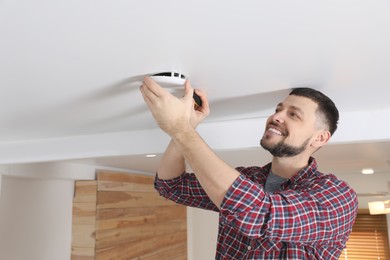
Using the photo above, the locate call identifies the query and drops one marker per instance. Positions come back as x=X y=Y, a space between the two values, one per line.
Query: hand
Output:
x=172 y=114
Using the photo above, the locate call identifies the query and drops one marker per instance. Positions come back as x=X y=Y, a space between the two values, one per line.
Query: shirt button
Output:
x=249 y=247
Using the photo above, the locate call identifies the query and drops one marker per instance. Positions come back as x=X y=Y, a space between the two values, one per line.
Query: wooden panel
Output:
x=161 y=213
x=177 y=252
x=135 y=222
x=113 y=181
x=84 y=220
x=121 y=216
x=84 y=213
x=82 y=253
x=111 y=237
x=128 y=199
x=175 y=242
x=85 y=191
x=83 y=236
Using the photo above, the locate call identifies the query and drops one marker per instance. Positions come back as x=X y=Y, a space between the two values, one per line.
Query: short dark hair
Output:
x=326 y=107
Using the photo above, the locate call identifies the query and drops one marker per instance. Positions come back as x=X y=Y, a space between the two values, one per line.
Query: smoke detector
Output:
x=174 y=83
x=170 y=80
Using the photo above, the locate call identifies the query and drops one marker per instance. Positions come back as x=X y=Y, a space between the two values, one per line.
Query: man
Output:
x=284 y=210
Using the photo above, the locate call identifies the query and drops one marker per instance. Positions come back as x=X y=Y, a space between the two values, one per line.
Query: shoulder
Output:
x=329 y=189
x=329 y=180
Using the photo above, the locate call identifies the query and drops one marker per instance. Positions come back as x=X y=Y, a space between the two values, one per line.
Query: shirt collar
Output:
x=306 y=172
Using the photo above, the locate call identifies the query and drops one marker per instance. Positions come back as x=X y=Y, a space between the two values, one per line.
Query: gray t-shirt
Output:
x=273 y=182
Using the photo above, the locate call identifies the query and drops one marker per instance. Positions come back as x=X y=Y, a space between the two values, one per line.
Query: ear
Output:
x=321 y=139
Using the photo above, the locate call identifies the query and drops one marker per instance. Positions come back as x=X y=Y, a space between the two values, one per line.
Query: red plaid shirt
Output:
x=310 y=218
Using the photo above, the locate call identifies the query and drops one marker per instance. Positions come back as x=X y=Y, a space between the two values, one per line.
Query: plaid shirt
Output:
x=311 y=216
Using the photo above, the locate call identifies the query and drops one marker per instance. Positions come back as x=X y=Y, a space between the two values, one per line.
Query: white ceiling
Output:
x=70 y=72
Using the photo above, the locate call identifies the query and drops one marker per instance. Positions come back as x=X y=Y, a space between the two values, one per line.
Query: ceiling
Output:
x=70 y=73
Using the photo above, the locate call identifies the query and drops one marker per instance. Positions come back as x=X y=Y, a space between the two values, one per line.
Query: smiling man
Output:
x=284 y=210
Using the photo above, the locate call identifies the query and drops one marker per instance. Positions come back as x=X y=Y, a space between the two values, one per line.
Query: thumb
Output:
x=188 y=90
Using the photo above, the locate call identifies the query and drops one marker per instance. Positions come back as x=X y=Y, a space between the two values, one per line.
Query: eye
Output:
x=294 y=115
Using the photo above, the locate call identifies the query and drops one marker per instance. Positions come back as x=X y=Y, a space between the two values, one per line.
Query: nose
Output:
x=278 y=117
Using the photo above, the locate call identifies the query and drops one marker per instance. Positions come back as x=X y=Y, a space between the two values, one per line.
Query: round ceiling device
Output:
x=174 y=83
x=170 y=80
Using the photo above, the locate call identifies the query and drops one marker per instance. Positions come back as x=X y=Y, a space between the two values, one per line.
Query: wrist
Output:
x=184 y=135
x=180 y=128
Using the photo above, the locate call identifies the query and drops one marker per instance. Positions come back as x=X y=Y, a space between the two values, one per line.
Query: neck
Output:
x=287 y=167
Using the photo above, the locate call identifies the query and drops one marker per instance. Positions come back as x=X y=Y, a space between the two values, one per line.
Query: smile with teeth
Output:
x=275 y=131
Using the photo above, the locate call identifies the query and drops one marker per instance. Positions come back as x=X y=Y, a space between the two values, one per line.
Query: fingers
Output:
x=189 y=94
x=153 y=87
x=151 y=91
x=188 y=90
x=205 y=108
x=148 y=95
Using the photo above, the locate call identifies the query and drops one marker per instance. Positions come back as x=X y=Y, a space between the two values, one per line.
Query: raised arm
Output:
x=174 y=115
x=172 y=163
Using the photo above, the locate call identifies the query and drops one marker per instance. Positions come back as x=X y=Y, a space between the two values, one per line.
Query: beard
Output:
x=284 y=150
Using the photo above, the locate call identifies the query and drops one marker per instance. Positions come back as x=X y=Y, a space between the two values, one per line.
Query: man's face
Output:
x=289 y=131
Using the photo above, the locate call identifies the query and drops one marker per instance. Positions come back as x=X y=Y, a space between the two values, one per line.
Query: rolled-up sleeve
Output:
x=165 y=186
x=185 y=190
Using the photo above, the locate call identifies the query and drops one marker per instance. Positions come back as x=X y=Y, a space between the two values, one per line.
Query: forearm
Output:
x=172 y=163
x=214 y=174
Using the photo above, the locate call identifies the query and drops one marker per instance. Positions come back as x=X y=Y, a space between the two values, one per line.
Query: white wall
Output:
x=36 y=209
x=202 y=234
x=35 y=218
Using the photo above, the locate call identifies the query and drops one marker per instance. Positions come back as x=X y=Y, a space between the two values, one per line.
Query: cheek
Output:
x=269 y=120
x=300 y=136
x=296 y=136
x=291 y=139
